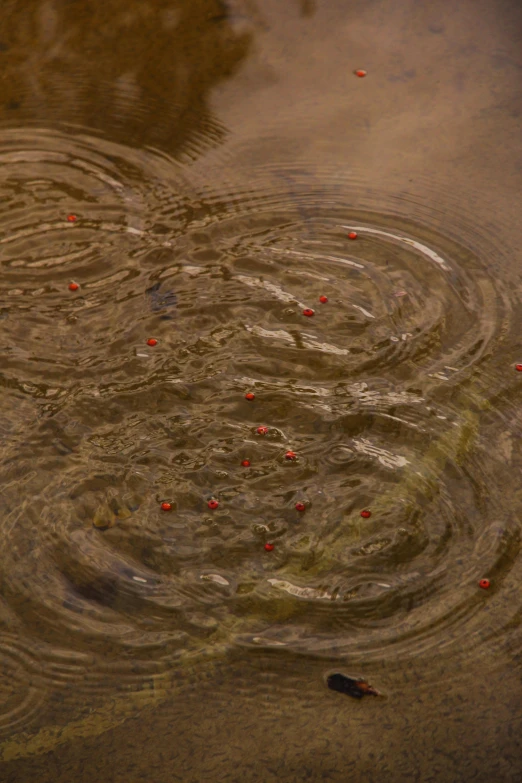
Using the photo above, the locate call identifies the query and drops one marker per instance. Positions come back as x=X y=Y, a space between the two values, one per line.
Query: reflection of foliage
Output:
x=139 y=72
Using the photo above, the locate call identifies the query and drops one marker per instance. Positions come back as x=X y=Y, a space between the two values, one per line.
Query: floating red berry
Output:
x=366 y=513
x=308 y=312
x=323 y=299
x=352 y=235
x=246 y=463
x=213 y=503
x=518 y=367
x=152 y=341
x=290 y=455
x=300 y=506
x=262 y=430
x=73 y=286
x=166 y=506
x=269 y=547
x=360 y=73
x=484 y=583
x=71 y=218
x=250 y=396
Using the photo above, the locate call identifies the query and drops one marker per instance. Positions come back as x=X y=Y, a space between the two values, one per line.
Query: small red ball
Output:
x=323 y=299
x=71 y=218
x=246 y=463
x=366 y=513
x=213 y=503
x=360 y=73
x=290 y=455
x=166 y=506
x=352 y=235
x=250 y=396
x=308 y=312
x=269 y=547
x=73 y=286
x=518 y=367
x=152 y=341
x=262 y=430
x=300 y=506
x=484 y=583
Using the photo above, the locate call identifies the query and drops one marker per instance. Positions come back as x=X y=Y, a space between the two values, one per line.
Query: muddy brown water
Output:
x=215 y=156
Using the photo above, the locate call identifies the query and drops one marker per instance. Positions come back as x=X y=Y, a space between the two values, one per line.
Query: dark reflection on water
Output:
x=398 y=396
x=138 y=72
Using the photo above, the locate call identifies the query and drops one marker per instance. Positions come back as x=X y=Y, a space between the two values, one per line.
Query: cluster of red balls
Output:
x=250 y=396
x=213 y=503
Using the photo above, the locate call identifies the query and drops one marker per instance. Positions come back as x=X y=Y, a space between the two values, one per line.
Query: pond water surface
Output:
x=200 y=200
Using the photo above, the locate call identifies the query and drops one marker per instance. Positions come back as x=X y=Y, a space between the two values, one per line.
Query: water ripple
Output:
x=388 y=396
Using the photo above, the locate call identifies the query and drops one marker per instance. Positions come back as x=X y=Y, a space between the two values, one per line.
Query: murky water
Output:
x=214 y=177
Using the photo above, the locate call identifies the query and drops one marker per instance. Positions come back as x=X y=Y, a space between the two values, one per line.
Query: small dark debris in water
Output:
x=308 y=7
x=161 y=300
x=351 y=686
x=224 y=12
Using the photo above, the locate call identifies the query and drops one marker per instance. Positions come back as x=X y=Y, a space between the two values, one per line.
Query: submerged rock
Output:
x=114 y=509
